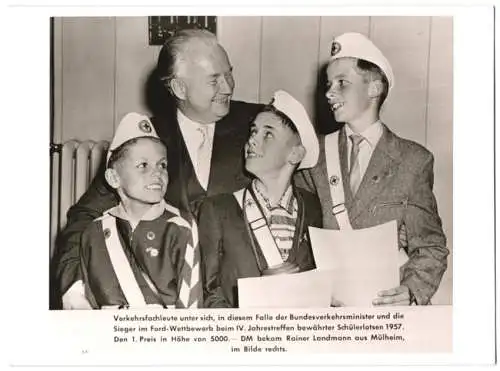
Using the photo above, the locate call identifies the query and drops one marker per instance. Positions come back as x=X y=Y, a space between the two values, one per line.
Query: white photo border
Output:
x=26 y=188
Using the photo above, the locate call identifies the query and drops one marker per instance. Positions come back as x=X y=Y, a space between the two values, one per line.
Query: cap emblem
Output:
x=145 y=127
x=335 y=48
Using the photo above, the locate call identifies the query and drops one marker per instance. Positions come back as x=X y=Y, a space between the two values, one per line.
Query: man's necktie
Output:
x=203 y=156
x=355 y=171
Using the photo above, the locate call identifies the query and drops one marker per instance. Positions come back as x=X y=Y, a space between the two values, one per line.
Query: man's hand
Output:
x=396 y=296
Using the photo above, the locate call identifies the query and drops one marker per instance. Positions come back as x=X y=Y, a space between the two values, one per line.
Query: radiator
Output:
x=74 y=165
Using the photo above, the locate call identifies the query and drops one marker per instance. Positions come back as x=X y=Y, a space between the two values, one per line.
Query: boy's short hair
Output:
x=376 y=73
x=285 y=120
x=121 y=151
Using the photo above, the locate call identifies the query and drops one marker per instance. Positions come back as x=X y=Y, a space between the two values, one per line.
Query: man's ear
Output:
x=178 y=88
x=112 y=178
x=297 y=154
x=375 y=88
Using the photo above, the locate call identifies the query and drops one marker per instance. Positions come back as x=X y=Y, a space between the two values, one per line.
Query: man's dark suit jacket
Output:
x=183 y=191
x=397 y=185
x=226 y=250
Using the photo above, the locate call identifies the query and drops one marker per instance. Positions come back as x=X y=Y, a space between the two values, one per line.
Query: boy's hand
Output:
x=76 y=302
x=396 y=296
x=75 y=298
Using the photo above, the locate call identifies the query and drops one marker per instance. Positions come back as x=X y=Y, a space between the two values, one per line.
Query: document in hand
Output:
x=311 y=289
x=361 y=262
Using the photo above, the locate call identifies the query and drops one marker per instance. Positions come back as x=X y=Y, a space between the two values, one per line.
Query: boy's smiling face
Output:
x=141 y=175
x=347 y=91
x=271 y=145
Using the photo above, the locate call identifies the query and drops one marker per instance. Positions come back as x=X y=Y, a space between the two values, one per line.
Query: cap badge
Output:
x=145 y=127
x=334 y=180
x=335 y=48
x=249 y=203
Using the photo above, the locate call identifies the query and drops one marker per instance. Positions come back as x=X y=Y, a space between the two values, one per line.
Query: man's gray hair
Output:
x=175 y=51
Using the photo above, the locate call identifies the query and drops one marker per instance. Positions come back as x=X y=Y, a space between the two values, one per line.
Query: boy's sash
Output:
x=121 y=265
x=335 y=180
x=259 y=227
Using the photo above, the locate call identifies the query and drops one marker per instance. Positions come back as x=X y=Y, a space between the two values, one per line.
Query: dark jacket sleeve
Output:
x=427 y=250
x=85 y=250
x=210 y=234
x=91 y=205
x=313 y=218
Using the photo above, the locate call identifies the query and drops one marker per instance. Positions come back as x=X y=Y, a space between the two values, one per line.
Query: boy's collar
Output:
x=371 y=134
x=154 y=212
x=285 y=202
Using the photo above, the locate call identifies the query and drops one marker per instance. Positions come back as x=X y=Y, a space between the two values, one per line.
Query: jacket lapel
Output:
x=381 y=168
x=182 y=177
x=226 y=164
x=217 y=146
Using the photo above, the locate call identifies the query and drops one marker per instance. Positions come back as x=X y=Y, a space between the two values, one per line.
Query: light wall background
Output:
x=101 y=66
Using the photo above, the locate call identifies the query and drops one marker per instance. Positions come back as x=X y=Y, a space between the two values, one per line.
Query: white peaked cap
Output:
x=356 y=45
x=291 y=107
x=133 y=125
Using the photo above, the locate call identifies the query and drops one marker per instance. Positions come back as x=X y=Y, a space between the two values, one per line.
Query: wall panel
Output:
x=405 y=109
x=241 y=37
x=290 y=47
x=135 y=62
x=440 y=132
x=88 y=78
x=57 y=69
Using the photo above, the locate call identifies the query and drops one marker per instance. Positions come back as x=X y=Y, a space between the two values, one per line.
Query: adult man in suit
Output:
x=383 y=177
x=204 y=136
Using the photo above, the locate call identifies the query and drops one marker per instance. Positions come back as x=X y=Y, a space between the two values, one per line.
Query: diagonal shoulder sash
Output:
x=335 y=181
x=259 y=227
x=121 y=265
x=337 y=186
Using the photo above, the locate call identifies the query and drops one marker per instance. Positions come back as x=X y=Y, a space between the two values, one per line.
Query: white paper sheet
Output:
x=311 y=289
x=361 y=262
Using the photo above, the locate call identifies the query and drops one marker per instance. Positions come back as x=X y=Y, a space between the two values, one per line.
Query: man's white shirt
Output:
x=193 y=139
x=371 y=136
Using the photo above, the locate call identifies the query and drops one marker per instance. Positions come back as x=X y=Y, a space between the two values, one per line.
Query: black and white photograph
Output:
x=259 y=182
x=330 y=123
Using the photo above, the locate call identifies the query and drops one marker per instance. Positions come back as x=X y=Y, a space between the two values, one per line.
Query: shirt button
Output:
x=150 y=235
x=152 y=251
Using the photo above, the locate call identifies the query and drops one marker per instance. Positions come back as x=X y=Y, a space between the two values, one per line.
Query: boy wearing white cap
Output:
x=261 y=229
x=140 y=253
x=366 y=175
